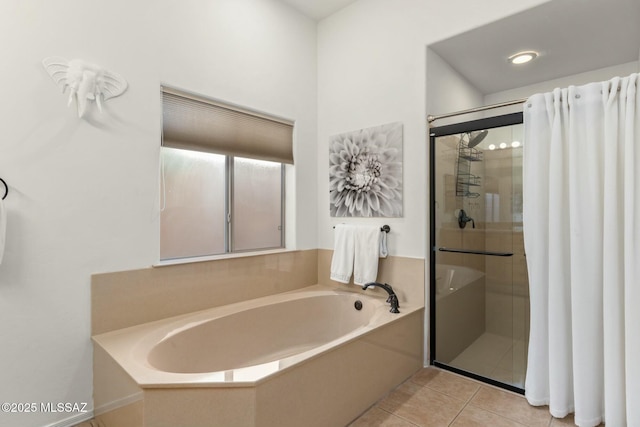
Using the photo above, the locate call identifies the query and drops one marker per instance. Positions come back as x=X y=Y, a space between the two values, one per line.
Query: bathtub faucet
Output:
x=393 y=298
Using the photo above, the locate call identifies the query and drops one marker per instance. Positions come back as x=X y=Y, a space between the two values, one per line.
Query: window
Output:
x=220 y=195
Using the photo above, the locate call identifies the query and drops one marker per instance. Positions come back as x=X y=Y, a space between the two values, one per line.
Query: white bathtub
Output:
x=313 y=338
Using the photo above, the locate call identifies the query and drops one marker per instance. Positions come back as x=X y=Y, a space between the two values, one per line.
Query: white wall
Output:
x=84 y=192
x=598 y=75
x=448 y=90
x=371 y=71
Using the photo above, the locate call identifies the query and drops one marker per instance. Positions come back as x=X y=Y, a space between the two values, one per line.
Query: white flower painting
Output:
x=365 y=172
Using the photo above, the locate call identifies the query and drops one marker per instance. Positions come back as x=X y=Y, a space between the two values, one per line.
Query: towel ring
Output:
x=6 y=189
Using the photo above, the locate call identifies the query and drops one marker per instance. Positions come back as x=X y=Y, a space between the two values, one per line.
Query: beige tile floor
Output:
x=434 y=397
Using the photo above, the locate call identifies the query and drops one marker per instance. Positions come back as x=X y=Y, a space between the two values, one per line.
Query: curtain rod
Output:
x=432 y=119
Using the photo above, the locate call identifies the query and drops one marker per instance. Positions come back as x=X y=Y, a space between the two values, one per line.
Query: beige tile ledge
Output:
x=405 y=274
x=127 y=298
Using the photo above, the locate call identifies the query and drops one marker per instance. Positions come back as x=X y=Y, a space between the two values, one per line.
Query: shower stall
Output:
x=479 y=292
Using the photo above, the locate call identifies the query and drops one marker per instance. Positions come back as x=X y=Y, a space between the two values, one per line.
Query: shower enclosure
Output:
x=479 y=292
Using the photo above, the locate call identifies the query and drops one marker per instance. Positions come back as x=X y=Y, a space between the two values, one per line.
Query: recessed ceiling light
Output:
x=523 y=57
x=503 y=145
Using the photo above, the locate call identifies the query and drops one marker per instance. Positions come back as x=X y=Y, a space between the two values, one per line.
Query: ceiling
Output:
x=319 y=9
x=572 y=36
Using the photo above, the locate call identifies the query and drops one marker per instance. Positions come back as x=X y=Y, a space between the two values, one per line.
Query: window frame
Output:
x=229 y=222
x=229 y=174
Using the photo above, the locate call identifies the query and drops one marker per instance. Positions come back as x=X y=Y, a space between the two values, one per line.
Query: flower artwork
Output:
x=365 y=172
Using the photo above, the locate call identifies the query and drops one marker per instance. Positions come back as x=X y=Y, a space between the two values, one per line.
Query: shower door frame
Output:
x=435 y=132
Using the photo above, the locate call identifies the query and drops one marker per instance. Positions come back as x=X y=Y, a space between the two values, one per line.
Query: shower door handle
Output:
x=475 y=252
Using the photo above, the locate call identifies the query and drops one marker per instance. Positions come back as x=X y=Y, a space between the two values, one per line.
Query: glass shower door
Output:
x=479 y=289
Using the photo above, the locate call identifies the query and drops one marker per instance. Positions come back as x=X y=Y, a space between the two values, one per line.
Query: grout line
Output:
x=474 y=394
x=458 y=414
x=499 y=415
x=503 y=415
x=399 y=416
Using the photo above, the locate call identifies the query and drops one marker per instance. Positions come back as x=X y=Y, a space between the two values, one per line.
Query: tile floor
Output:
x=434 y=397
x=497 y=357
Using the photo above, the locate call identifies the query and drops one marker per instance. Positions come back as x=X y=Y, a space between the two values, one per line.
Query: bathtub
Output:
x=274 y=361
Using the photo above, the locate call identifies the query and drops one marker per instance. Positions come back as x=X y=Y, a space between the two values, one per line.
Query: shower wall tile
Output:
x=518 y=242
x=450 y=258
x=475 y=262
x=460 y=320
x=450 y=237
x=520 y=331
x=473 y=239
x=499 y=313
x=520 y=275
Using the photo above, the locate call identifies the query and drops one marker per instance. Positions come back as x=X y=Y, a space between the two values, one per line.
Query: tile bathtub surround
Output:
x=406 y=275
x=433 y=397
x=127 y=298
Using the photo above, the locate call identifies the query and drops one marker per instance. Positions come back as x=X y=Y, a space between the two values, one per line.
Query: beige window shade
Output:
x=194 y=123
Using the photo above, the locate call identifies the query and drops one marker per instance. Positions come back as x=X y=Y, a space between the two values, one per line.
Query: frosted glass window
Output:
x=257 y=204
x=192 y=222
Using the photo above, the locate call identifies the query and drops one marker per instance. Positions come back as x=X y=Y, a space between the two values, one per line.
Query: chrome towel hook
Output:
x=6 y=188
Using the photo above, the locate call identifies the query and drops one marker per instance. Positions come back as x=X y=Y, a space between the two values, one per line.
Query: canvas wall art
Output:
x=365 y=172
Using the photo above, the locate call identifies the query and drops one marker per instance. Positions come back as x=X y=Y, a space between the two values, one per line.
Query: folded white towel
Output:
x=367 y=251
x=343 y=253
x=356 y=250
x=3 y=228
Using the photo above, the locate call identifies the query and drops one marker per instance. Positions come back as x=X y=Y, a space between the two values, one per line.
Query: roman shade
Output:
x=196 y=123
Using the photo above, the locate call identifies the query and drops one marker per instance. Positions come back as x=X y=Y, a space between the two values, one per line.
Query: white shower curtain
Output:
x=581 y=206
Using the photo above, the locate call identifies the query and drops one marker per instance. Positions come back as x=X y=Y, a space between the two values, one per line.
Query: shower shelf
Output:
x=464 y=177
x=471 y=154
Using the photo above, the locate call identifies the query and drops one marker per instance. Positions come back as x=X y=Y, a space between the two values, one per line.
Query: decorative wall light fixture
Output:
x=86 y=82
